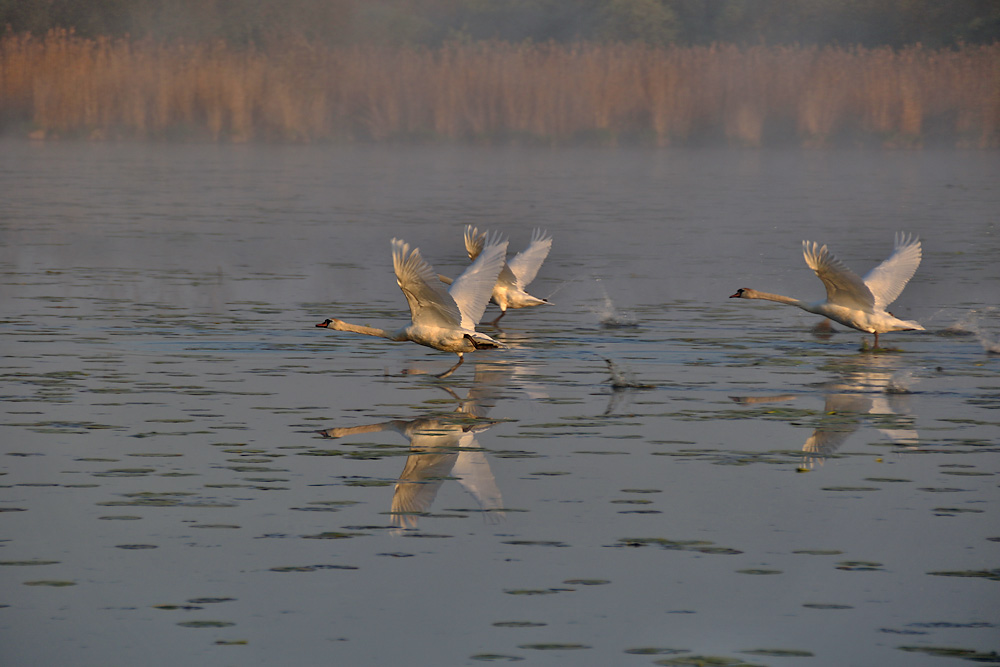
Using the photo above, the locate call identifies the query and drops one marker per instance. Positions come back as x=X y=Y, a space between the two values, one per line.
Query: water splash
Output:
x=983 y=324
x=900 y=382
x=609 y=316
x=623 y=378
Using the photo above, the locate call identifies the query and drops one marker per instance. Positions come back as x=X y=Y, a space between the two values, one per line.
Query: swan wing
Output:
x=526 y=263
x=429 y=302
x=472 y=290
x=843 y=286
x=474 y=241
x=887 y=280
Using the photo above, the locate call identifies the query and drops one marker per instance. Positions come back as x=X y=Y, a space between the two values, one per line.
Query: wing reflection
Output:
x=444 y=447
x=870 y=390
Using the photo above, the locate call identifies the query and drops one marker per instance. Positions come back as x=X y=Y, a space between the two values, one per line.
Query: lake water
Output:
x=194 y=474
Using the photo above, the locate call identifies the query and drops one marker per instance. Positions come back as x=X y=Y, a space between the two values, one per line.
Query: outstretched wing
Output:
x=888 y=279
x=526 y=263
x=429 y=302
x=474 y=241
x=471 y=290
x=843 y=286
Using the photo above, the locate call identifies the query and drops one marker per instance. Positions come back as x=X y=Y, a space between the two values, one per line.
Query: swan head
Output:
x=742 y=293
x=327 y=323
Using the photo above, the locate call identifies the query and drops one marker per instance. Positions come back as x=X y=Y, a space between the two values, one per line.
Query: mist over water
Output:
x=193 y=471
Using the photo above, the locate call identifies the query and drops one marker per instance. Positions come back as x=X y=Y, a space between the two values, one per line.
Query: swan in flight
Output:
x=856 y=303
x=443 y=319
x=516 y=275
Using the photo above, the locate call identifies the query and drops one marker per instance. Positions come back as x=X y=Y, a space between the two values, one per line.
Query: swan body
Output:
x=852 y=301
x=442 y=319
x=509 y=290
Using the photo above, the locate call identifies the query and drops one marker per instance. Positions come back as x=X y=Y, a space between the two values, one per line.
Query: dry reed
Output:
x=65 y=86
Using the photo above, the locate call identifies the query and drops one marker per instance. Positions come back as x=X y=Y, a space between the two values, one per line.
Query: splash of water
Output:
x=900 y=383
x=609 y=316
x=623 y=378
x=982 y=324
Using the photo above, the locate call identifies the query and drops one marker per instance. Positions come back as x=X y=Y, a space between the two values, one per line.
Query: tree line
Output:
x=260 y=23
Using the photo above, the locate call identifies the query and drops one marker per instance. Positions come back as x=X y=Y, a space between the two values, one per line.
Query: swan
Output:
x=444 y=320
x=856 y=303
x=516 y=275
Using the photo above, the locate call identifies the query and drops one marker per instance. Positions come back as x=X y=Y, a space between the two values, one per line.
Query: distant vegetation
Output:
x=901 y=73
x=869 y=23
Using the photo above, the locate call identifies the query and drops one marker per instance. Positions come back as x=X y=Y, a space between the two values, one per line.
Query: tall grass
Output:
x=65 y=86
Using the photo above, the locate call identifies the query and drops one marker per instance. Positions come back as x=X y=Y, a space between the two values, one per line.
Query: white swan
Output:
x=516 y=275
x=444 y=320
x=856 y=303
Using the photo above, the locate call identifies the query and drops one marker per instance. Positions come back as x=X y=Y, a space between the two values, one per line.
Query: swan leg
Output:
x=502 y=313
x=461 y=358
x=876 y=342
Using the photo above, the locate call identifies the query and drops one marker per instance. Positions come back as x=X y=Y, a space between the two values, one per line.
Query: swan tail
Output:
x=484 y=342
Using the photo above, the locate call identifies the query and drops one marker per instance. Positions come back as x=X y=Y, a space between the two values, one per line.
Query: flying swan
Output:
x=856 y=303
x=516 y=275
x=444 y=320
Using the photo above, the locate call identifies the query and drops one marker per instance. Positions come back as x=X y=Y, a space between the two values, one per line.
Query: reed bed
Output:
x=61 y=85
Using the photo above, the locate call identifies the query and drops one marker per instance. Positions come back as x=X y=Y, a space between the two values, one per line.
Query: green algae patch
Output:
x=54 y=583
x=823 y=605
x=495 y=657
x=177 y=607
x=779 y=653
x=859 y=566
x=312 y=568
x=949 y=652
x=20 y=563
x=705 y=661
x=518 y=624
x=976 y=574
x=367 y=482
x=206 y=624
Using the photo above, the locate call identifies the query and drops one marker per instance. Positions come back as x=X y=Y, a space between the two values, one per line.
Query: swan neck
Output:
x=779 y=298
x=340 y=325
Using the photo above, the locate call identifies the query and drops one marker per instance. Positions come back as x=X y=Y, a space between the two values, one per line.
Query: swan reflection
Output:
x=444 y=447
x=872 y=391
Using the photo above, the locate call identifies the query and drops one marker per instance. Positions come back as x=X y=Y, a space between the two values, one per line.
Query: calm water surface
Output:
x=194 y=474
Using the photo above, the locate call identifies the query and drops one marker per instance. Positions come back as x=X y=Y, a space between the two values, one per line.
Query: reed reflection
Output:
x=444 y=447
x=869 y=390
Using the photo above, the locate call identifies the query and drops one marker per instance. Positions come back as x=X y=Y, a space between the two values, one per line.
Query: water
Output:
x=195 y=474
